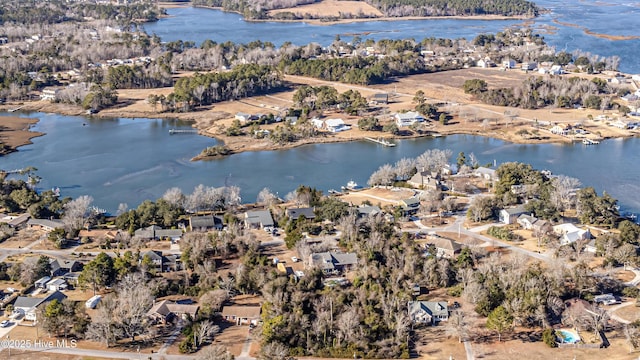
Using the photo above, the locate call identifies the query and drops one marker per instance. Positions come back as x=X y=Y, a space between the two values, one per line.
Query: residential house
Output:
x=409 y=118
x=295 y=213
x=242 y=314
x=368 y=210
x=510 y=215
x=529 y=65
x=333 y=262
x=29 y=305
x=17 y=222
x=486 y=173
x=591 y=247
x=154 y=232
x=258 y=219
x=161 y=262
x=164 y=311
x=42 y=282
x=485 y=63
x=242 y=117
x=59 y=267
x=205 y=223
x=542 y=227
x=336 y=125
x=45 y=224
x=428 y=312
x=560 y=130
x=410 y=206
x=569 y=233
x=445 y=248
x=526 y=221
x=508 y=63
x=382 y=98
x=425 y=180
x=50 y=94
x=58 y=284
x=620 y=124
x=291 y=119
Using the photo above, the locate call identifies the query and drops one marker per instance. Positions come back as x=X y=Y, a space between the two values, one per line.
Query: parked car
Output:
x=294 y=259
x=5 y=323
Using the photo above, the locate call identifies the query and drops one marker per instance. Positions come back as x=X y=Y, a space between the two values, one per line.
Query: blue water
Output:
x=568 y=337
x=612 y=17
x=127 y=160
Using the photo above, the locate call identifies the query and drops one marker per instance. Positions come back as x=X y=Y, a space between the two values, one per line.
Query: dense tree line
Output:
x=241 y=81
x=455 y=7
x=138 y=77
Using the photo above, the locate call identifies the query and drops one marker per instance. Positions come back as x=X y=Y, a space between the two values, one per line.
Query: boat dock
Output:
x=16 y=109
x=590 y=142
x=381 y=142
x=183 y=131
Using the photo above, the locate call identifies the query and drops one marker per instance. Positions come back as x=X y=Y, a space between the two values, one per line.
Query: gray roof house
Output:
x=333 y=262
x=295 y=213
x=28 y=305
x=258 y=219
x=445 y=248
x=366 y=210
x=486 y=173
x=428 y=312
x=18 y=221
x=163 y=263
x=510 y=215
x=163 y=311
x=45 y=224
x=60 y=267
x=425 y=180
x=205 y=222
x=156 y=232
x=410 y=206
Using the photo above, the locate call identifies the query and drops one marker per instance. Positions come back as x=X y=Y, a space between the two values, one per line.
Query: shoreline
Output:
x=319 y=21
x=15 y=132
x=247 y=144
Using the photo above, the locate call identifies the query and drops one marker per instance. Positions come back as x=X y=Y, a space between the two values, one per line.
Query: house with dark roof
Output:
x=445 y=248
x=164 y=311
x=17 y=221
x=205 y=223
x=242 y=314
x=29 y=305
x=428 y=312
x=154 y=232
x=333 y=262
x=60 y=267
x=368 y=210
x=258 y=219
x=425 y=180
x=163 y=263
x=296 y=213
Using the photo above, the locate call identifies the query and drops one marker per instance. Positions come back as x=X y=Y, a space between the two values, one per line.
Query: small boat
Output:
x=352 y=185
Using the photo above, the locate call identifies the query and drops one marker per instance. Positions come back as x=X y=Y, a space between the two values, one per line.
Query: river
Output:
x=131 y=160
x=563 y=27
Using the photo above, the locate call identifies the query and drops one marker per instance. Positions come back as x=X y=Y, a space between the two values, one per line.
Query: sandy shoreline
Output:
x=15 y=132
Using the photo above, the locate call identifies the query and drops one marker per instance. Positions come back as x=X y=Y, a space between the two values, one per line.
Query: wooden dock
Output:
x=590 y=142
x=183 y=131
x=381 y=142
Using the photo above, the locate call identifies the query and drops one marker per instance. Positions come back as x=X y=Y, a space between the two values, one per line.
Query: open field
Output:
x=377 y=196
x=332 y=8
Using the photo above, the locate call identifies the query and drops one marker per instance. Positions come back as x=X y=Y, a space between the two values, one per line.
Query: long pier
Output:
x=183 y=131
x=381 y=142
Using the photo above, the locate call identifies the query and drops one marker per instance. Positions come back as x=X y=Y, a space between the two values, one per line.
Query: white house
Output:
x=428 y=312
x=50 y=94
x=486 y=173
x=620 y=124
x=508 y=63
x=409 y=118
x=570 y=233
x=559 y=130
x=510 y=215
x=336 y=125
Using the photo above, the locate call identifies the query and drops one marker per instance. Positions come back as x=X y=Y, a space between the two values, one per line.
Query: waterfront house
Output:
x=485 y=63
x=205 y=223
x=29 y=305
x=258 y=219
x=409 y=118
x=242 y=314
x=242 y=117
x=154 y=232
x=336 y=125
x=295 y=213
x=428 y=312
x=425 y=180
x=333 y=262
x=50 y=94
x=529 y=65
x=486 y=173
x=560 y=130
x=569 y=233
x=510 y=215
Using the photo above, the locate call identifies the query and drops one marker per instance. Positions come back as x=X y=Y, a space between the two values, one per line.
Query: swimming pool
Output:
x=568 y=336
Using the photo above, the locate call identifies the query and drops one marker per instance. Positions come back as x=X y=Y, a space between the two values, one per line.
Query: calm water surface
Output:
x=127 y=160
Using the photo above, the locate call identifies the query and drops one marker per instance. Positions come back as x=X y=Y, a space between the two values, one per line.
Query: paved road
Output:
x=469 y=350
x=615 y=308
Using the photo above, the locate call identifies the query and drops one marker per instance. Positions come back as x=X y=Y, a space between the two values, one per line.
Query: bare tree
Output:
x=274 y=351
x=266 y=197
x=214 y=352
x=103 y=327
x=403 y=168
x=214 y=299
x=385 y=175
x=457 y=325
x=174 y=196
x=134 y=299
x=204 y=331
x=76 y=212
x=564 y=188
